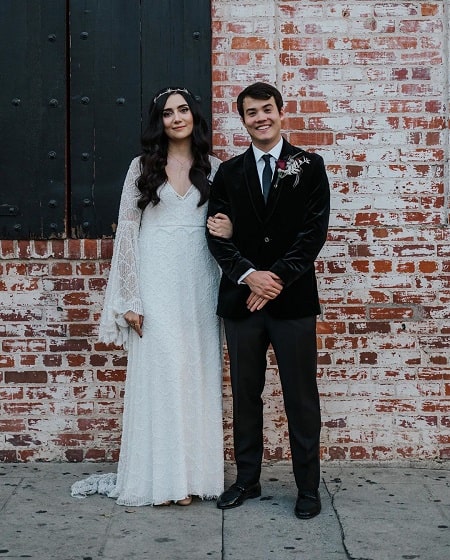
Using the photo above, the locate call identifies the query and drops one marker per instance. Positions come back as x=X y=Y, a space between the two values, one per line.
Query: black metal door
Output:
x=176 y=47
x=32 y=119
x=77 y=78
x=105 y=109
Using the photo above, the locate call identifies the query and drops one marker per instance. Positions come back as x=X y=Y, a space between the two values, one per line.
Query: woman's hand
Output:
x=220 y=225
x=135 y=321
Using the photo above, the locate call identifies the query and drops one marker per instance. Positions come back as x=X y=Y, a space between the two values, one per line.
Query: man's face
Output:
x=262 y=121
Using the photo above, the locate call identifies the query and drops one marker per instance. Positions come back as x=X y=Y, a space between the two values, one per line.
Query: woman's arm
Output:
x=122 y=292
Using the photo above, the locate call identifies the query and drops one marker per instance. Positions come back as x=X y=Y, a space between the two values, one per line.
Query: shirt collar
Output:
x=274 y=152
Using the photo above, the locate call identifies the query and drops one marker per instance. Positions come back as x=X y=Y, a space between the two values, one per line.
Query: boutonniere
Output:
x=290 y=166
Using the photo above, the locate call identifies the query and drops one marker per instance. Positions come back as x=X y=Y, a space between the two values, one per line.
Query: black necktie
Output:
x=266 y=176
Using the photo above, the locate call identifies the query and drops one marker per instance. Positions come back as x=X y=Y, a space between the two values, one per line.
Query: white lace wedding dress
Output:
x=172 y=440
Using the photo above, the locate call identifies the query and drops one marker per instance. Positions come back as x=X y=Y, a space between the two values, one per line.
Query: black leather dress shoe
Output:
x=308 y=504
x=236 y=495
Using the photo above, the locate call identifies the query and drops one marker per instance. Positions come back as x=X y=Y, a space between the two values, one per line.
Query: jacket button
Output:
x=266 y=239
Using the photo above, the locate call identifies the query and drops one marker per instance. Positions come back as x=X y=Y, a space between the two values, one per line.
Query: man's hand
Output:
x=264 y=283
x=255 y=302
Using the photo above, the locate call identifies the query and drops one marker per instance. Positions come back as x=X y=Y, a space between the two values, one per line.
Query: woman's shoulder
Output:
x=134 y=169
x=215 y=162
x=136 y=163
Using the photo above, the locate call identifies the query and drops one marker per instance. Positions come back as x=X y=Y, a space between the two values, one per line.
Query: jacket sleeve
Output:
x=310 y=239
x=232 y=263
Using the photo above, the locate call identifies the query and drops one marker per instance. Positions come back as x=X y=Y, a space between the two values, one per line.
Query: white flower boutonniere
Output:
x=290 y=166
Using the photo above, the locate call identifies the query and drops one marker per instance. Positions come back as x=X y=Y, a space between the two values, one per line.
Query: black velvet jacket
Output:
x=284 y=236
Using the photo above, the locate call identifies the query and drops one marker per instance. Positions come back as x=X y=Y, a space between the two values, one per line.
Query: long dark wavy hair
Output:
x=155 y=147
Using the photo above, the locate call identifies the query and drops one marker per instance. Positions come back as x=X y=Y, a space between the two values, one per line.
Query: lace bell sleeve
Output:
x=122 y=290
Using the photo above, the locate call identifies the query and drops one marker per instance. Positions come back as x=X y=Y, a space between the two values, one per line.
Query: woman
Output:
x=160 y=304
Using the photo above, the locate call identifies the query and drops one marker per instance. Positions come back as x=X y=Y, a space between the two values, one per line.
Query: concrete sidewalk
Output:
x=368 y=513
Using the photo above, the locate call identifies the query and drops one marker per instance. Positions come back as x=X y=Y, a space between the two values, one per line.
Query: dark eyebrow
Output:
x=263 y=107
x=179 y=107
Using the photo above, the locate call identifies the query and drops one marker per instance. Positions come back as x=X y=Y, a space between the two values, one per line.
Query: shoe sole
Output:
x=307 y=515
x=256 y=494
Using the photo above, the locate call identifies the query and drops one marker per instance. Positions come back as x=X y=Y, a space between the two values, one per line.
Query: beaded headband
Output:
x=170 y=90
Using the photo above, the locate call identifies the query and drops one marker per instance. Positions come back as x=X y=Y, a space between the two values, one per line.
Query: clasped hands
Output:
x=264 y=286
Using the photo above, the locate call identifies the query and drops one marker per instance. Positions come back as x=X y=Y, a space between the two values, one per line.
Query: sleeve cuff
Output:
x=244 y=276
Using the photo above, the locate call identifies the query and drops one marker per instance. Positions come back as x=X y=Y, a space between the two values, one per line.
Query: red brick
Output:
x=8 y=315
x=26 y=377
x=28 y=360
x=250 y=43
x=16 y=269
x=309 y=139
x=108 y=375
x=61 y=269
x=82 y=330
x=429 y=9
x=57 y=248
x=52 y=360
x=12 y=425
x=103 y=424
x=6 y=361
x=67 y=284
x=369 y=327
x=121 y=360
x=77 y=314
x=70 y=345
x=73 y=249
x=89 y=249
x=74 y=455
x=359 y=452
x=25 y=455
x=22 y=440
x=337 y=453
x=95 y=455
x=8 y=456
x=97 y=284
x=107 y=246
x=40 y=248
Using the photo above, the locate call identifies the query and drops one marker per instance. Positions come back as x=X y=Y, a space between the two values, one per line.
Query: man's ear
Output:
x=282 y=115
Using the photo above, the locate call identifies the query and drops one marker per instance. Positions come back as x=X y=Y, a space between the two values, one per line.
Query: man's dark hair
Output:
x=260 y=90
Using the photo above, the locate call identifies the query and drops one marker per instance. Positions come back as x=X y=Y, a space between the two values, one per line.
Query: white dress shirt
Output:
x=274 y=152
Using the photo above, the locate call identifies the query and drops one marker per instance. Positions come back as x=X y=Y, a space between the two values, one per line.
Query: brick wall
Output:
x=366 y=85
x=60 y=390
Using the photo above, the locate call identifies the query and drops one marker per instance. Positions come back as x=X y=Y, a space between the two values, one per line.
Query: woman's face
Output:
x=177 y=118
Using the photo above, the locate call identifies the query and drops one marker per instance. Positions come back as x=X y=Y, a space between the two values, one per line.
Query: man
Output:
x=268 y=292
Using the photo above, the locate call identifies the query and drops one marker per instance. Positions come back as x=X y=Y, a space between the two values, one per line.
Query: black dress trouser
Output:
x=295 y=347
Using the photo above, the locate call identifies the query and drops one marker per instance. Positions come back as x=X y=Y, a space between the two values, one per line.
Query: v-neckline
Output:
x=177 y=194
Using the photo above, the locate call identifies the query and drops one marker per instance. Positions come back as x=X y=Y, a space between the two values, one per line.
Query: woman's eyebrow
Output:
x=179 y=107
